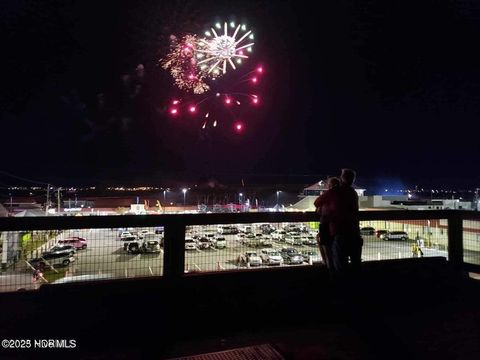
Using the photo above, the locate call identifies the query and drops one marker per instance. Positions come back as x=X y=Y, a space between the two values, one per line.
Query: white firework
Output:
x=216 y=52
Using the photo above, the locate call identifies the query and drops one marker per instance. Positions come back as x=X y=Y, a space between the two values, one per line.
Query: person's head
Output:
x=348 y=176
x=333 y=182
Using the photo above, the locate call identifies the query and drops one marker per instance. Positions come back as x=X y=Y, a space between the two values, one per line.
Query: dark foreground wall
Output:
x=152 y=313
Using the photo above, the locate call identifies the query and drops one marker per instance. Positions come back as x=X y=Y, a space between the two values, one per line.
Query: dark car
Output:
x=368 y=230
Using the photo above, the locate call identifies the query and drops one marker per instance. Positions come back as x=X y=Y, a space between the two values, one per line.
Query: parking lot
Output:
x=106 y=255
x=212 y=248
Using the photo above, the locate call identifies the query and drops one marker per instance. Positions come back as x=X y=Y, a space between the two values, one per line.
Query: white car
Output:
x=190 y=244
x=250 y=240
x=239 y=237
x=394 y=235
x=279 y=235
x=266 y=241
x=126 y=234
x=245 y=228
x=310 y=256
x=219 y=242
x=253 y=259
x=142 y=233
x=294 y=240
x=271 y=257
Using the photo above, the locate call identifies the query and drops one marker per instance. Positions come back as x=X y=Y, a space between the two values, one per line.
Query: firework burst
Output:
x=182 y=64
x=194 y=60
x=219 y=50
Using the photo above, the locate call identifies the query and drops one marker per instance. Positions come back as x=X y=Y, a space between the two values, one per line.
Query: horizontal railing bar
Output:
x=114 y=221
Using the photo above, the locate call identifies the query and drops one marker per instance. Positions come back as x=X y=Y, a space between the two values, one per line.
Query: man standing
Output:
x=341 y=210
x=347 y=242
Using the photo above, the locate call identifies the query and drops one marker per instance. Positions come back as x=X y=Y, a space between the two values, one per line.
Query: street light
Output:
x=184 y=195
x=240 y=198
x=165 y=193
x=278 y=194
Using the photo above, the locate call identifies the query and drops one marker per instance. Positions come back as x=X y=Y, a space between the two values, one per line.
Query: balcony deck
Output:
x=415 y=308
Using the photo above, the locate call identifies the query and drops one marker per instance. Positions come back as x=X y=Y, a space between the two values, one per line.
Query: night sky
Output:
x=389 y=88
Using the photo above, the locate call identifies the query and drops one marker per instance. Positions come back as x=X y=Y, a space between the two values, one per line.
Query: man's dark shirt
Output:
x=339 y=206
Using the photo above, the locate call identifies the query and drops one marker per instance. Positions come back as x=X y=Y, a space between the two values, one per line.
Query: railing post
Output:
x=174 y=251
x=455 y=240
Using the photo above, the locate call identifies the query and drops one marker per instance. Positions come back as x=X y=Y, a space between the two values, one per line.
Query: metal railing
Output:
x=439 y=232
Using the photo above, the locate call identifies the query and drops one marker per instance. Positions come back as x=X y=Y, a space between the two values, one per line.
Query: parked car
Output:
x=394 y=235
x=126 y=234
x=311 y=256
x=310 y=240
x=245 y=228
x=253 y=259
x=266 y=228
x=190 y=244
x=142 y=233
x=379 y=233
x=239 y=237
x=368 y=230
x=52 y=259
x=271 y=257
x=295 y=228
x=203 y=243
x=159 y=230
x=227 y=230
x=151 y=246
x=219 y=242
x=278 y=236
x=291 y=256
x=126 y=240
x=60 y=249
x=78 y=243
x=293 y=240
x=250 y=240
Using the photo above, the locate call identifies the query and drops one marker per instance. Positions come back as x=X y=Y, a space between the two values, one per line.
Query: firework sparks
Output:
x=182 y=64
x=218 y=51
x=195 y=62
